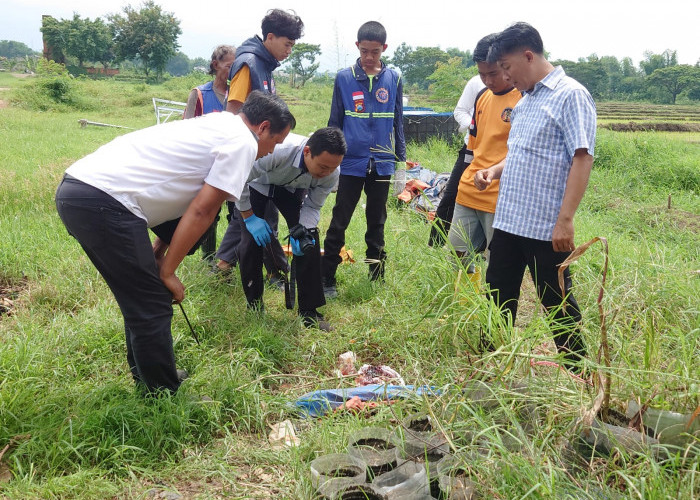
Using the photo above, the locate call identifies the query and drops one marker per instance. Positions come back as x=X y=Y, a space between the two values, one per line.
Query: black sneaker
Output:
x=276 y=281
x=376 y=271
x=330 y=291
x=314 y=319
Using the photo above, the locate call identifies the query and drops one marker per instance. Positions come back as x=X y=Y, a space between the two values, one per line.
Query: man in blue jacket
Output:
x=256 y=59
x=367 y=106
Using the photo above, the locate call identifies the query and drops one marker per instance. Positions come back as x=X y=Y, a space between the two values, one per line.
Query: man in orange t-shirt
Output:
x=471 y=228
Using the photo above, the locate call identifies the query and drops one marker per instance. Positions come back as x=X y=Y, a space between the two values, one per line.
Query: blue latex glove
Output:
x=259 y=228
x=296 y=250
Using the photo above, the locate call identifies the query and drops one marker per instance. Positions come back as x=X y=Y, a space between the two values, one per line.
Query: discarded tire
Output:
x=337 y=472
x=453 y=479
x=376 y=447
x=407 y=480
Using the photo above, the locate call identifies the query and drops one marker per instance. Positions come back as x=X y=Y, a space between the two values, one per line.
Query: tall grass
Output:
x=78 y=428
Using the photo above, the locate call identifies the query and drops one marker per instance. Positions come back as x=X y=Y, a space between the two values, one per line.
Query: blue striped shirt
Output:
x=548 y=125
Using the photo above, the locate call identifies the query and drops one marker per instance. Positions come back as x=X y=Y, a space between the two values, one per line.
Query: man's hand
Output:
x=175 y=286
x=482 y=178
x=159 y=248
x=563 y=236
x=259 y=229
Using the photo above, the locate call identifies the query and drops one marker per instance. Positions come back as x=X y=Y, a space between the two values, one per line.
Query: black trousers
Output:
x=509 y=256
x=350 y=188
x=446 y=207
x=118 y=244
x=273 y=255
x=307 y=268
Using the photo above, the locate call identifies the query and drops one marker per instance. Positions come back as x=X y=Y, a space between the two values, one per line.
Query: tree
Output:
x=417 y=65
x=449 y=79
x=652 y=61
x=303 y=53
x=82 y=39
x=674 y=79
x=12 y=49
x=179 y=64
x=149 y=35
x=466 y=56
x=588 y=72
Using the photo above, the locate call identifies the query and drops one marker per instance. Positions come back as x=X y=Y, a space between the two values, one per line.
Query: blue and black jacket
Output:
x=369 y=110
x=261 y=63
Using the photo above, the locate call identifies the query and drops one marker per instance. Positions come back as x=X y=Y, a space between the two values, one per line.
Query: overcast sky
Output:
x=570 y=29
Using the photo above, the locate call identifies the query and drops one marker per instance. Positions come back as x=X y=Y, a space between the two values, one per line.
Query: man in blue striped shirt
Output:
x=550 y=156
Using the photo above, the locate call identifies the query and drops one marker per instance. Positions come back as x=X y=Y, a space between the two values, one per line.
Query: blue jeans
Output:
x=118 y=244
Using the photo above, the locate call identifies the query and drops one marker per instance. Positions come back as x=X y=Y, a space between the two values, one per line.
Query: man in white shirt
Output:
x=463 y=115
x=146 y=179
x=297 y=177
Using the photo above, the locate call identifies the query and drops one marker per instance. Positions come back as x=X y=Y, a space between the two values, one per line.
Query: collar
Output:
x=550 y=81
x=360 y=73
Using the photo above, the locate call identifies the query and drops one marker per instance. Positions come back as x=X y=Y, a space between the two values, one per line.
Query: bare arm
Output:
x=234 y=106
x=484 y=177
x=198 y=217
x=563 y=233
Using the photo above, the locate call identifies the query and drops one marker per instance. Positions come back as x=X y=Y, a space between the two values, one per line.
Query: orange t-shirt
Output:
x=240 y=85
x=490 y=145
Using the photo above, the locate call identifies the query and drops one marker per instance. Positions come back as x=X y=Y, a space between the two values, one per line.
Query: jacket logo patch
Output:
x=382 y=95
x=265 y=85
x=358 y=99
x=505 y=116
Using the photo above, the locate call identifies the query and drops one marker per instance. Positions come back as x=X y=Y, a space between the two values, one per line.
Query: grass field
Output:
x=72 y=425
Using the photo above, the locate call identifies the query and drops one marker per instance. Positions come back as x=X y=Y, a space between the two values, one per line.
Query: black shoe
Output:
x=376 y=271
x=314 y=319
x=256 y=306
x=276 y=281
x=330 y=291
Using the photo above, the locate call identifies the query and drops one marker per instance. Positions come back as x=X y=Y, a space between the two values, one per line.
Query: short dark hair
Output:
x=520 y=36
x=481 y=51
x=260 y=106
x=372 y=31
x=330 y=139
x=282 y=23
x=219 y=53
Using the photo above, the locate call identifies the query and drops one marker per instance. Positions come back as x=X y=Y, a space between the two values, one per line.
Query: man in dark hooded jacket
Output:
x=256 y=59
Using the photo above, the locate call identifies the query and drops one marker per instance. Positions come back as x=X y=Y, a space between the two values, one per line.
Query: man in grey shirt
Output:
x=297 y=177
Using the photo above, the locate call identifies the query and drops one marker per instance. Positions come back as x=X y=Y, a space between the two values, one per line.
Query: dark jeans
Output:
x=446 y=207
x=509 y=256
x=307 y=267
x=117 y=243
x=350 y=188
x=273 y=255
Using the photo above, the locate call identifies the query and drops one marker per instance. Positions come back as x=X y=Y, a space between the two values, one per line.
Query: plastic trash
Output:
x=356 y=492
x=408 y=479
x=376 y=447
x=333 y=473
x=282 y=435
x=346 y=363
x=668 y=426
x=453 y=479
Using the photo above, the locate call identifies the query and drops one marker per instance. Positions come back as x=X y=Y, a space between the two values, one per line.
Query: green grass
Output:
x=80 y=429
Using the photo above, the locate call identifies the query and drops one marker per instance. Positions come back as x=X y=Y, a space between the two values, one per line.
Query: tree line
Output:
x=659 y=77
x=149 y=37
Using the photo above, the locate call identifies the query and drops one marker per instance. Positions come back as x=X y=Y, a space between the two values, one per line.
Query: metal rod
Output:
x=189 y=324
